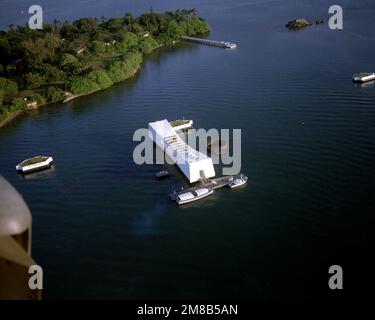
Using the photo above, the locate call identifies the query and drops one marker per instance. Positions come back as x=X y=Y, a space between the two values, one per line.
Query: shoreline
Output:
x=76 y=96
x=13 y=115
x=87 y=55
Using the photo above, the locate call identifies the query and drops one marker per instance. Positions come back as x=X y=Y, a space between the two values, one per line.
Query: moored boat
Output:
x=162 y=174
x=193 y=195
x=230 y=45
x=363 y=76
x=34 y=164
x=237 y=182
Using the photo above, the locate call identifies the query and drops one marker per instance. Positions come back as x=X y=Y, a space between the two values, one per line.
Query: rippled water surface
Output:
x=104 y=227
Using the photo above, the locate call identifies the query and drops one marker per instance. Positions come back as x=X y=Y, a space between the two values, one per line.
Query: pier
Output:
x=214 y=43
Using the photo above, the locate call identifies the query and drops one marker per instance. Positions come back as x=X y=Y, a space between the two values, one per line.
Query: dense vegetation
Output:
x=66 y=59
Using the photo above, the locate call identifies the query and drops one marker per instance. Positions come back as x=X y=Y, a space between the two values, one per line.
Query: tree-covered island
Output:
x=66 y=60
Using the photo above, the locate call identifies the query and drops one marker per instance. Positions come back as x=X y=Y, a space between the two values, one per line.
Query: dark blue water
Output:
x=104 y=228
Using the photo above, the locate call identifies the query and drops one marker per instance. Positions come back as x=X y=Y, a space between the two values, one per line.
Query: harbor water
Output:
x=104 y=227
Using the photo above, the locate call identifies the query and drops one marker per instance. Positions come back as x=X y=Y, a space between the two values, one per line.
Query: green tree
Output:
x=146 y=45
x=86 y=25
x=128 y=43
x=5 y=51
x=114 y=24
x=101 y=78
x=54 y=94
x=129 y=20
x=174 y=31
x=42 y=50
x=129 y=40
x=70 y=64
x=50 y=72
x=116 y=71
x=37 y=57
x=82 y=85
x=38 y=99
x=18 y=104
x=68 y=59
x=8 y=87
x=98 y=47
x=34 y=80
x=137 y=28
x=11 y=69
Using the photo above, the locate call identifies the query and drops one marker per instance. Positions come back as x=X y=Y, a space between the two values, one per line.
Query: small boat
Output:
x=162 y=174
x=193 y=195
x=237 y=182
x=230 y=45
x=34 y=164
x=363 y=76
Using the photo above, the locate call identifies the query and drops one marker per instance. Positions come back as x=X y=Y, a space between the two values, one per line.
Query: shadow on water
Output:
x=365 y=85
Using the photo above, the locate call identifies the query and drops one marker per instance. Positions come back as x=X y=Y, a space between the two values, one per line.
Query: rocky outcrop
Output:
x=298 y=24
x=302 y=23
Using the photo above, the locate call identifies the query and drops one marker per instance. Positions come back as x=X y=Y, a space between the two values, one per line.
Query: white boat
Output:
x=34 y=164
x=230 y=45
x=237 y=182
x=193 y=195
x=363 y=76
x=162 y=174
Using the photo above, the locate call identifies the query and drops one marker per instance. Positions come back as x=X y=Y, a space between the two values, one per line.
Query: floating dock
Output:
x=193 y=164
x=214 y=43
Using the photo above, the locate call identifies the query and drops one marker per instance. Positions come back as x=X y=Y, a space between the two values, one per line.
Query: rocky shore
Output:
x=297 y=24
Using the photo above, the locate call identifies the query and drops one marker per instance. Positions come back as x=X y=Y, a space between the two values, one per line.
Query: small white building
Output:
x=194 y=164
